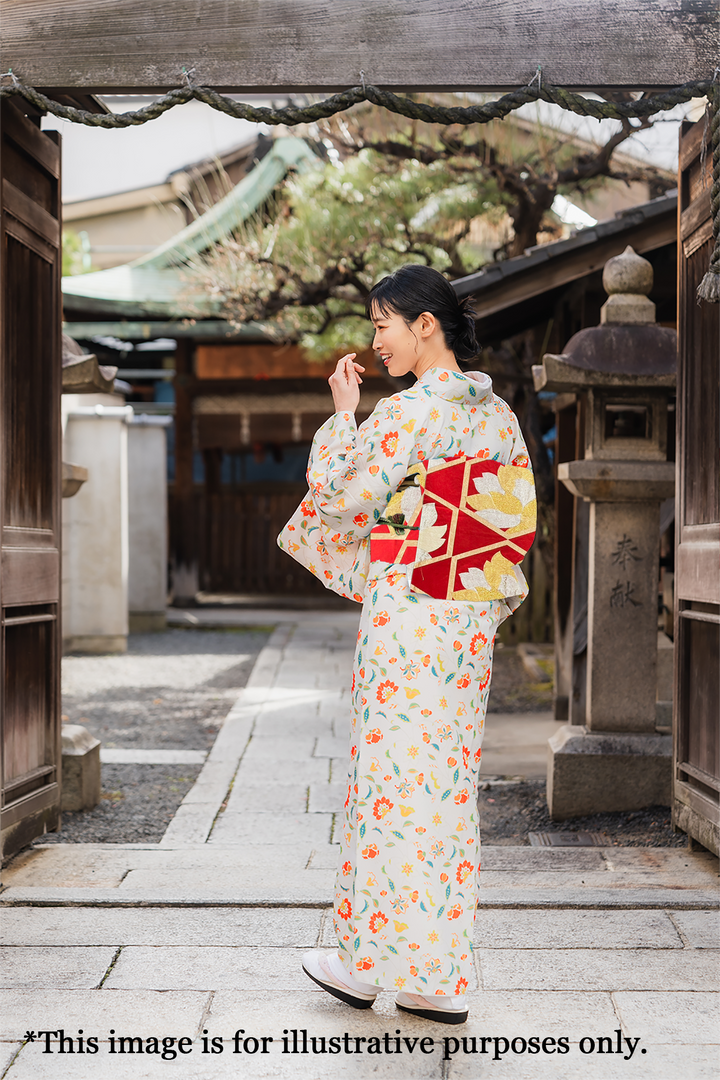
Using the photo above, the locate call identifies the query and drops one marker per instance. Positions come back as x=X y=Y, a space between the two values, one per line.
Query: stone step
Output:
x=317 y=893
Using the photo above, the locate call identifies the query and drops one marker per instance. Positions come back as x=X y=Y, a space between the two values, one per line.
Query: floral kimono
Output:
x=423 y=514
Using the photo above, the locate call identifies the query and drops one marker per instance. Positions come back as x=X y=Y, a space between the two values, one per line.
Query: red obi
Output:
x=464 y=524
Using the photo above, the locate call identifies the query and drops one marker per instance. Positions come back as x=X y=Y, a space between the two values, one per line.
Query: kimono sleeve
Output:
x=352 y=474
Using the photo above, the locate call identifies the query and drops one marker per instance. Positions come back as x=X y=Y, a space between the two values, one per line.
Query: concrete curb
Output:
x=195 y=817
x=519 y=899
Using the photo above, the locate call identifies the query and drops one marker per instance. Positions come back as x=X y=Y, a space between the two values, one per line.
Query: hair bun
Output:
x=465 y=344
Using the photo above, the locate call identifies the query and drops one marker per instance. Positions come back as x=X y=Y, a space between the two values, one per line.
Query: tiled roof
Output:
x=152 y=286
x=538 y=258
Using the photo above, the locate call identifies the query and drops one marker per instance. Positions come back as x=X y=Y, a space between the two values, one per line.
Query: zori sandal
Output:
x=445 y=1010
x=328 y=972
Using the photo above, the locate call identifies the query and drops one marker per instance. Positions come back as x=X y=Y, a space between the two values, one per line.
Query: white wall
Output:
x=95 y=525
x=147 y=522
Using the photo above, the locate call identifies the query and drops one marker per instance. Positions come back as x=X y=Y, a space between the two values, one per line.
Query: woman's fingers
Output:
x=346 y=368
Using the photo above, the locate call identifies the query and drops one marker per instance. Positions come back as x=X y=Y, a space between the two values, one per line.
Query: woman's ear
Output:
x=428 y=323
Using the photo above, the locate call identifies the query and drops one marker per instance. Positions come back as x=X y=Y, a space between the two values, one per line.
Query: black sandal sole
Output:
x=434 y=1014
x=347 y=998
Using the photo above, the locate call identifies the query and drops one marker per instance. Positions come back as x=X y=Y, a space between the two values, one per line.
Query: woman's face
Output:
x=399 y=345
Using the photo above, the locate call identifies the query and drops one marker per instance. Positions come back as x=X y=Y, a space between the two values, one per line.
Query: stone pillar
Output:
x=615 y=759
x=95 y=526
x=622 y=616
x=147 y=523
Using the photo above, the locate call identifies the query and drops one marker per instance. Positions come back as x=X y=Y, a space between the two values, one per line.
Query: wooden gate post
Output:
x=30 y=377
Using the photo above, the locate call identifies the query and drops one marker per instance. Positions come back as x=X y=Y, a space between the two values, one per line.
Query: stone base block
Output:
x=80 y=768
x=145 y=622
x=700 y=829
x=591 y=772
x=95 y=644
x=663 y=716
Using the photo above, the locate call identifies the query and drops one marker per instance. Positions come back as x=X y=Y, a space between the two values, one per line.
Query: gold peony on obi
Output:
x=464 y=524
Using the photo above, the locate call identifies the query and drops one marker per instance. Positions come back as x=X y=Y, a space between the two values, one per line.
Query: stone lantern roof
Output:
x=627 y=350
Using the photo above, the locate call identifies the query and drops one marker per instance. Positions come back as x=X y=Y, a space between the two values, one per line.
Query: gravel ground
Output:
x=508 y=814
x=171 y=690
x=138 y=803
x=512 y=690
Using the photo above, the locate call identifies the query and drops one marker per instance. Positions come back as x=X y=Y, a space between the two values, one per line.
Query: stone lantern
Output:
x=625 y=368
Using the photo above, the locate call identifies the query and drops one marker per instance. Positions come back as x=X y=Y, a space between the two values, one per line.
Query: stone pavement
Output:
x=579 y=952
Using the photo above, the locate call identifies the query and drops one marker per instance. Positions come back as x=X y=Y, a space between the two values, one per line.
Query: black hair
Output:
x=413 y=289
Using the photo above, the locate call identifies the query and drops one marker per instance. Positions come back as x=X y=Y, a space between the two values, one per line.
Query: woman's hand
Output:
x=345 y=384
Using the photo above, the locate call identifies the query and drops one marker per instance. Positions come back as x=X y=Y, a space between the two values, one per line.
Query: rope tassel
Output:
x=709 y=287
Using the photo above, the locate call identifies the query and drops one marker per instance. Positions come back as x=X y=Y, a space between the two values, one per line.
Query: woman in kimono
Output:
x=422 y=514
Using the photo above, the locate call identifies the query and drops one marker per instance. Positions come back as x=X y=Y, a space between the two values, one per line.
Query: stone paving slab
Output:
x=491 y=1012
x=264 y=750
x=246 y=798
x=591 y=969
x=72 y=968
x=546 y=859
x=660 y=1063
x=325 y=857
x=576 y=930
x=33 y=1065
x=71 y=865
x=292 y=723
x=699 y=929
x=665 y=1017
x=275 y=927
x=211 y=967
x=591 y=879
x=142 y=1012
x=105 y=866
x=8 y=1051
x=338 y=769
x=677 y=861
x=502 y=1014
x=245 y=828
x=333 y=747
x=516 y=744
x=246 y=886
x=337 y=710
x=282 y=770
x=327 y=797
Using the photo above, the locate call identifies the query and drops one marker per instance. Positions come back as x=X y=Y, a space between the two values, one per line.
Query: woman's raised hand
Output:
x=345 y=383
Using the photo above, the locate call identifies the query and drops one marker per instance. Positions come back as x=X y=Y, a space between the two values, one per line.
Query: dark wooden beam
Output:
x=118 y=46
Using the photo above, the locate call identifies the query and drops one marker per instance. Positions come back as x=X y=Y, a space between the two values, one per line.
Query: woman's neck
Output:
x=443 y=358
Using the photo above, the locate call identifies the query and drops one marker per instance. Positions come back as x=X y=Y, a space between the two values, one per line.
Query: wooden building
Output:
x=696 y=764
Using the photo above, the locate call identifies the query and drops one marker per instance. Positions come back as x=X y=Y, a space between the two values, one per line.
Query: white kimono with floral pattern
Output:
x=410 y=847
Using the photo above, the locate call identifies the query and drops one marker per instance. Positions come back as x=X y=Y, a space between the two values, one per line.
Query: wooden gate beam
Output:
x=141 y=46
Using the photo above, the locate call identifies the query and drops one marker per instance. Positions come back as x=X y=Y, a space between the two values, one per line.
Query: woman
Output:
x=422 y=514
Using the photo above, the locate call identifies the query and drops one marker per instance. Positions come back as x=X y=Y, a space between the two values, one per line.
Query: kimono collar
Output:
x=470 y=387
